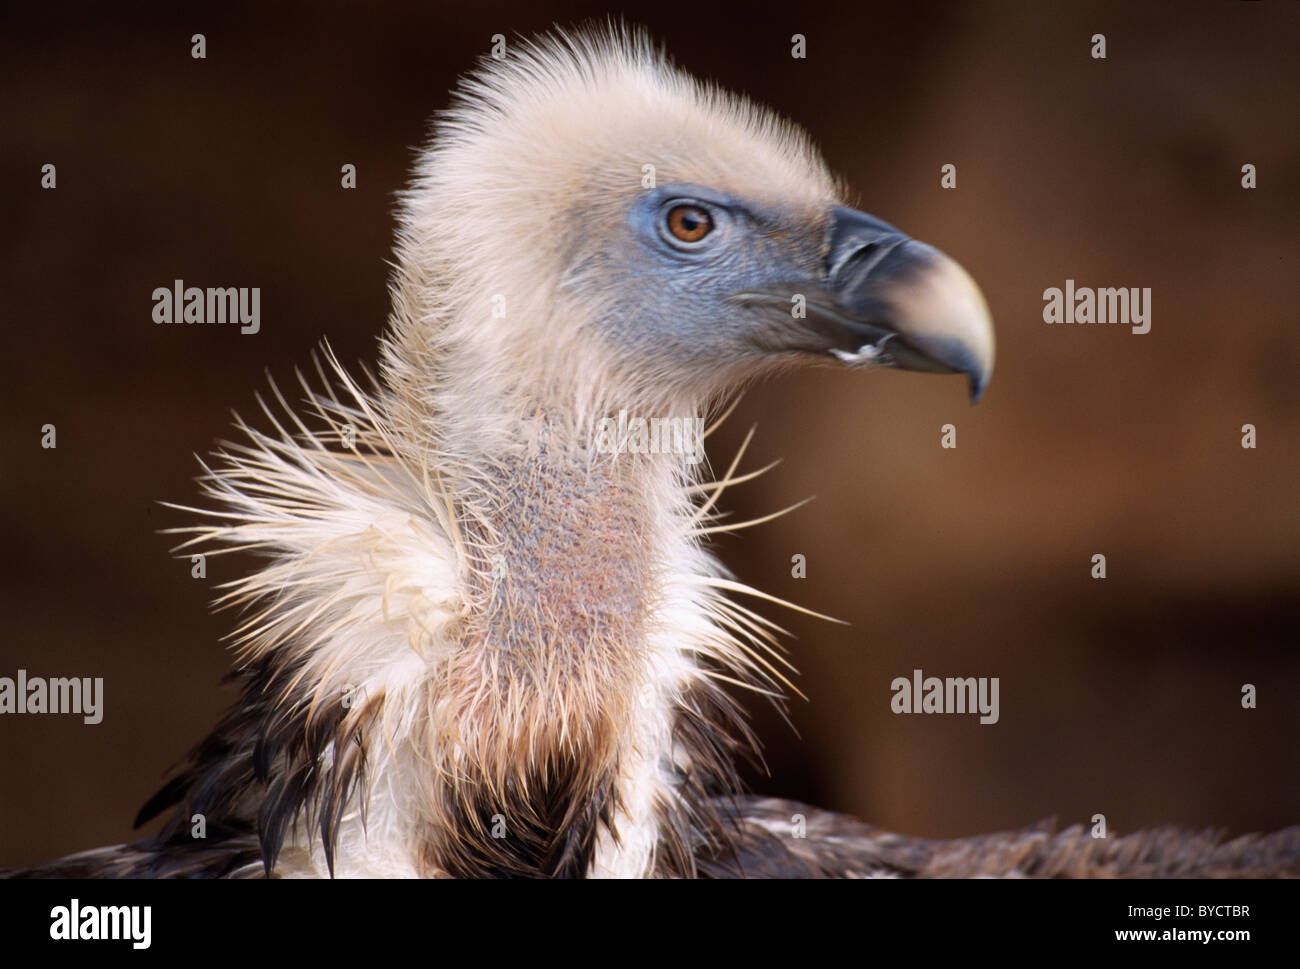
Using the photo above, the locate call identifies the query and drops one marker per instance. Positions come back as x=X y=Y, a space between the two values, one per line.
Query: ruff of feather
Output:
x=348 y=642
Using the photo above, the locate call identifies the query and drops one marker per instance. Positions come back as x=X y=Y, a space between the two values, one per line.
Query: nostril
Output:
x=859 y=260
x=857 y=237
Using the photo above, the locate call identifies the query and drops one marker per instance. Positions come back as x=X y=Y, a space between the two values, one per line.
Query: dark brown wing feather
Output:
x=151 y=858
x=251 y=778
x=838 y=846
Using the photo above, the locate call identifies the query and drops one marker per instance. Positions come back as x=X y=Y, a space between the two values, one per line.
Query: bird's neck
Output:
x=562 y=695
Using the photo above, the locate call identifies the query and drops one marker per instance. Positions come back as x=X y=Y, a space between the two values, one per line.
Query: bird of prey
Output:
x=488 y=638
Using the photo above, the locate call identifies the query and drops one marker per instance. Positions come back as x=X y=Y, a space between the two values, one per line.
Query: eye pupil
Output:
x=689 y=223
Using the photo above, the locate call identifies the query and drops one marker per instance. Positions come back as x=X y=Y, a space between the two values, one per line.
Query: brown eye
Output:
x=689 y=223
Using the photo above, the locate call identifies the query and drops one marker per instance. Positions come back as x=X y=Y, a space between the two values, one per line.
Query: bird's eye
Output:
x=689 y=223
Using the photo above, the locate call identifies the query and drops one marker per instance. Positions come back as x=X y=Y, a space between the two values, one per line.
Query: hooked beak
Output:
x=904 y=304
x=888 y=300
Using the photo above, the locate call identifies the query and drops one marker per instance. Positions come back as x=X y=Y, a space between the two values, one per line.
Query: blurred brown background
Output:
x=1119 y=697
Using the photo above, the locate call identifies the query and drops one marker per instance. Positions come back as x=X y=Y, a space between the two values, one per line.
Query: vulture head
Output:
x=592 y=224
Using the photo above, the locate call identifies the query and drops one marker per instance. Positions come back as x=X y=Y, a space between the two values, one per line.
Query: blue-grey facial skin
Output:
x=682 y=303
x=769 y=286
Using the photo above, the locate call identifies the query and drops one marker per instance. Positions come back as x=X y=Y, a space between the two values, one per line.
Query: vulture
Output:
x=487 y=637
